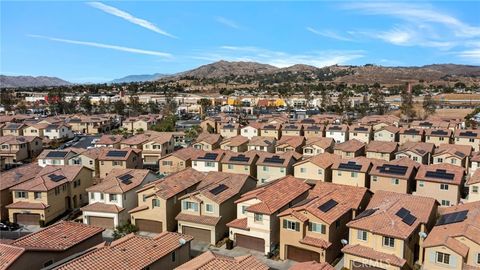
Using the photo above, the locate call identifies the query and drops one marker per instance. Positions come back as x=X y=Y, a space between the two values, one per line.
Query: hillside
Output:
x=222 y=69
x=139 y=78
x=30 y=81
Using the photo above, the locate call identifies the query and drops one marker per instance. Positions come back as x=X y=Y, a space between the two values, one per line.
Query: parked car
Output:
x=9 y=226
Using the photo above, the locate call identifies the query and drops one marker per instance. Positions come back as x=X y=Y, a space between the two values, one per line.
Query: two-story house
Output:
x=292 y=129
x=417 y=151
x=411 y=135
x=275 y=166
x=443 y=182
x=15 y=149
x=156 y=146
x=381 y=150
x=178 y=160
x=361 y=133
x=316 y=168
x=35 y=129
x=290 y=143
x=386 y=134
x=57 y=157
x=271 y=130
x=454 y=154
x=396 y=175
x=13 y=129
x=115 y=195
x=339 y=133
x=318 y=145
x=474 y=162
x=207 y=210
x=313 y=229
x=251 y=130
x=55 y=190
x=387 y=235
x=350 y=149
x=126 y=158
x=60 y=131
x=236 y=144
x=112 y=141
x=454 y=243
x=229 y=130
x=439 y=136
x=208 y=161
x=135 y=141
x=87 y=158
x=158 y=201
x=265 y=144
x=241 y=163
x=207 y=141
x=352 y=172
x=210 y=260
x=257 y=225
x=473 y=184
x=466 y=137
x=313 y=130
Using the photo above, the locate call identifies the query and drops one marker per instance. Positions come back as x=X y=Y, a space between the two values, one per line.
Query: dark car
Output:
x=9 y=226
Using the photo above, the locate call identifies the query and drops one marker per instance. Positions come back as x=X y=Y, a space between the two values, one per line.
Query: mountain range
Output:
x=139 y=78
x=30 y=81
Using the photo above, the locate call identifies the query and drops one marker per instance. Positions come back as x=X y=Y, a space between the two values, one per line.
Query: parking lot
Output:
x=83 y=141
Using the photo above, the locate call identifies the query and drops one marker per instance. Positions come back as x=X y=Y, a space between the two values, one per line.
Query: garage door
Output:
x=361 y=266
x=198 y=234
x=103 y=222
x=302 y=255
x=27 y=219
x=250 y=242
x=146 y=225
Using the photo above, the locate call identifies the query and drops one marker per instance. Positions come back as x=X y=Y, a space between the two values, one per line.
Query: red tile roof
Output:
x=175 y=183
x=382 y=147
x=323 y=160
x=352 y=145
x=112 y=183
x=18 y=175
x=370 y=253
x=292 y=141
x=475 y=178
x=455 y=150
x=316 y=242
x=102 y=207
x=43 y=182
x=209 y=138
x=457 y=171
x=239 y=223
x=8 y=255
x=211 y=261
x=312 y=265
x=207 y=220
x=363 y=161
x=27 y=205
x=419 y=148
x=321 y=142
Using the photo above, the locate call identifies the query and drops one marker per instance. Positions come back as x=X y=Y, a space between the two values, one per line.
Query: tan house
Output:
x=164 y=251
x=314 y=130
x=428 y=124
x=396 y=175
x=50 y=245
x=54 y=190
x=352 y=172
x=316 y=168
x=265 y=144
x=157 y=145
x=379 y=121
x=158 y=201
x=443 y=182
x=209 y=161
x=229 y=130
x=126 y=158
x=474 y=162
x=439 y=136
x=235 y=144
x=211 y=261
x=257 y=225
x=241 y=163
x=95 y=124
x=207 y=141
x=112 y=141
x=411 y=135
x=290 y=143
x=207 y=210
x=178 y=160
x=135 y=141
x=35 y=129
x=16 y=149
x=11 y=178
x=473 y=184
x=13 y=129
x=454 y=154
x=292 y=130
x=417 y=151
x=274 y=166
x=350 y=149
x=318 y=145
x=271 y=130
x=386 y=134
x=141 y=123
x=454 y=243
x=466 y=137
x=387 y=234
x=381 y=150
x=361 y=133
x=313 y=229
x=87 y=158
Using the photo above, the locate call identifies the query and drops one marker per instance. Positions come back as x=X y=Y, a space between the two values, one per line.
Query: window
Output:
x=441 y=138
x=415 y=158
x=101 y=196
x=362 y=235
x=92 y=195
x=339 y=173
x=265 y=168
x=315 y=227
x=37 y=195
x=246 y=168
x=395 y=181
x=471 y=140
x=21 y=194
x=173 y=256
x=421 y=183
x=194 y=163
x=244 y=209
x=320 y=171
x=190 y=206
x=209 y=208
x=113 y=197
x=291 y=225
x=230 y=166
x=155 y=203
x=258 y=217
x=374 y=178
x=144 y=197
x=444 y=186
x=117 y=163
x=453 y=161
x=478 y=258
x=303 y=170
x=439 y=160
x=445 y=203
x=388 y=241
x=209 y=164
x=443 y=258
x=354 y=174
x=474 y=189
x=282 y=170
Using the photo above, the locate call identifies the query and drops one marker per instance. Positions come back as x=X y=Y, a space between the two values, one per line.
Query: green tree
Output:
x=167 y=124
x=119 y=107
x=377 y=99
x=204 y=103
x=85 y=103
x=7 y=99
x=326 y=99
x=407 y=104
x=192 y=133
x=122 y=230
x=429 y=104
x=153 y=107
x=343 y=102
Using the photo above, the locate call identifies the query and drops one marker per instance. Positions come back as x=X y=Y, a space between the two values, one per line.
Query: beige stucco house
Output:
x=439 y=136
x=417 y=151
x=361 y=133
x=126 y=158
x=274 y=166
x=381 y=150
x=411 y=135
x=350 y=149
x=386 y=134
x=396 y=175
x=178 y=160
x=317 y=145
x=468 y=137
x=352 y=172
x=265 y=144
x=316 y=168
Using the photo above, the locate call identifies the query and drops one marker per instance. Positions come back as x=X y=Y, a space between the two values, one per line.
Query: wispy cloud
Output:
x=129 y=17
x=105 y=46
x=279 y=58
x=227 y=22
x=328 y=34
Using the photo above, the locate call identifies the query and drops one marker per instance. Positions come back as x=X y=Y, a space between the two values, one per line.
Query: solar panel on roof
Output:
x=402 y=213
x=240 y=158
x=426 y=124
x=351 y=165
x=440 y=174
x=334 y=128
x=209 y=156
x=468 y=134
x=57 y=154
x=460 y=154
x=328 y=205
x=452 y=217
x=308 y=120
x=412 y=131
x=115 y=153
x=409 y=219
x=219 y=189
x=361 y=129
x=393 y=169
x=126 y=179
x=269 y=127
x=274 y=159
x=439 y=132
x=366 y=213
x=56 y=177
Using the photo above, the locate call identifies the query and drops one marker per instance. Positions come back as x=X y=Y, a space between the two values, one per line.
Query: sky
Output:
x=101 y=41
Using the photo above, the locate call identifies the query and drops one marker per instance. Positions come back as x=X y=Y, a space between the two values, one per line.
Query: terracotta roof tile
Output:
x=323 y=160
x=209 y=138
x=110 y=139
x=104 y=153
x=43 y=182
x=382 y=147
x=102 y=207
x=337 y=128
x=112 y=183
x=437 y=132
x=456 y=150
x=211 y=261
x=175 y=183
x=382 y=169
x=287 y=157
x=419 y=148
x=370 y=253
x=475 y=178
x=316 y=242
x=186 y=153
x=18 y=175
x=350 y=146
x=8 y=255
x=262 y=141
x=312 y=265
x=26 y=205
x=239 y=223
x=364 y=162
x=457 y=171
x=293 y=141
x=467 y=133
x=207 y=220
x=321 y=142
x=235 y=141
x=232 y=158
x=391 y=129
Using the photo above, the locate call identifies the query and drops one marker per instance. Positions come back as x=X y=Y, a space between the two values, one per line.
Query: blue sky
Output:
x=100 y=41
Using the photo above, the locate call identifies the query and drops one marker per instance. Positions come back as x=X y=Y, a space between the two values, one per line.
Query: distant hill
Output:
x=224 y=68
x=140 y=78
x=30 y=81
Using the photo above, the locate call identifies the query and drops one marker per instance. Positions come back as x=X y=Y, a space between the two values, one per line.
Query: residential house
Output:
x=396 y=175
x=381 y=150
x=136 y=141
x=211 y=261
x=208 y=161
x=443 y=182
x=350 y=149
x=417 y=151
x=95 y=124
x=411 y=135
x=158 y=201
x=53 y=191
x=241 y=163
x=313 y=229
x=316 y=168
x=318 y=145
x=290 y=143
x=110 y=200
x=454 y=243
x=386 y=134
x=112 y=141
x=229 y=130
x=164 y=251
x=379 y=121
x=50 y=245
x=271 y=130
x=87 y=158
x=428 y=124
x=439 y=136
x=292 y=129
x=178 y=160
x=126 y=158
x=454 y=154
x=17 y=149
x=314 y=130
x=474 y=162
x=141 y=123
x=257 y=225
x=207 y=210
x=352 y=172
x=236 y=144
x=207 y=141
x=265 y=144
x=35 y=129
x=251 y=130
x=465 y=137
x=13 y=129
x=339 y=133
x=274 y=166
x=60 y=131
x=57 y=157
x=473 y=184
x=157 y=145
x=387 y=235
x=361 y=133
